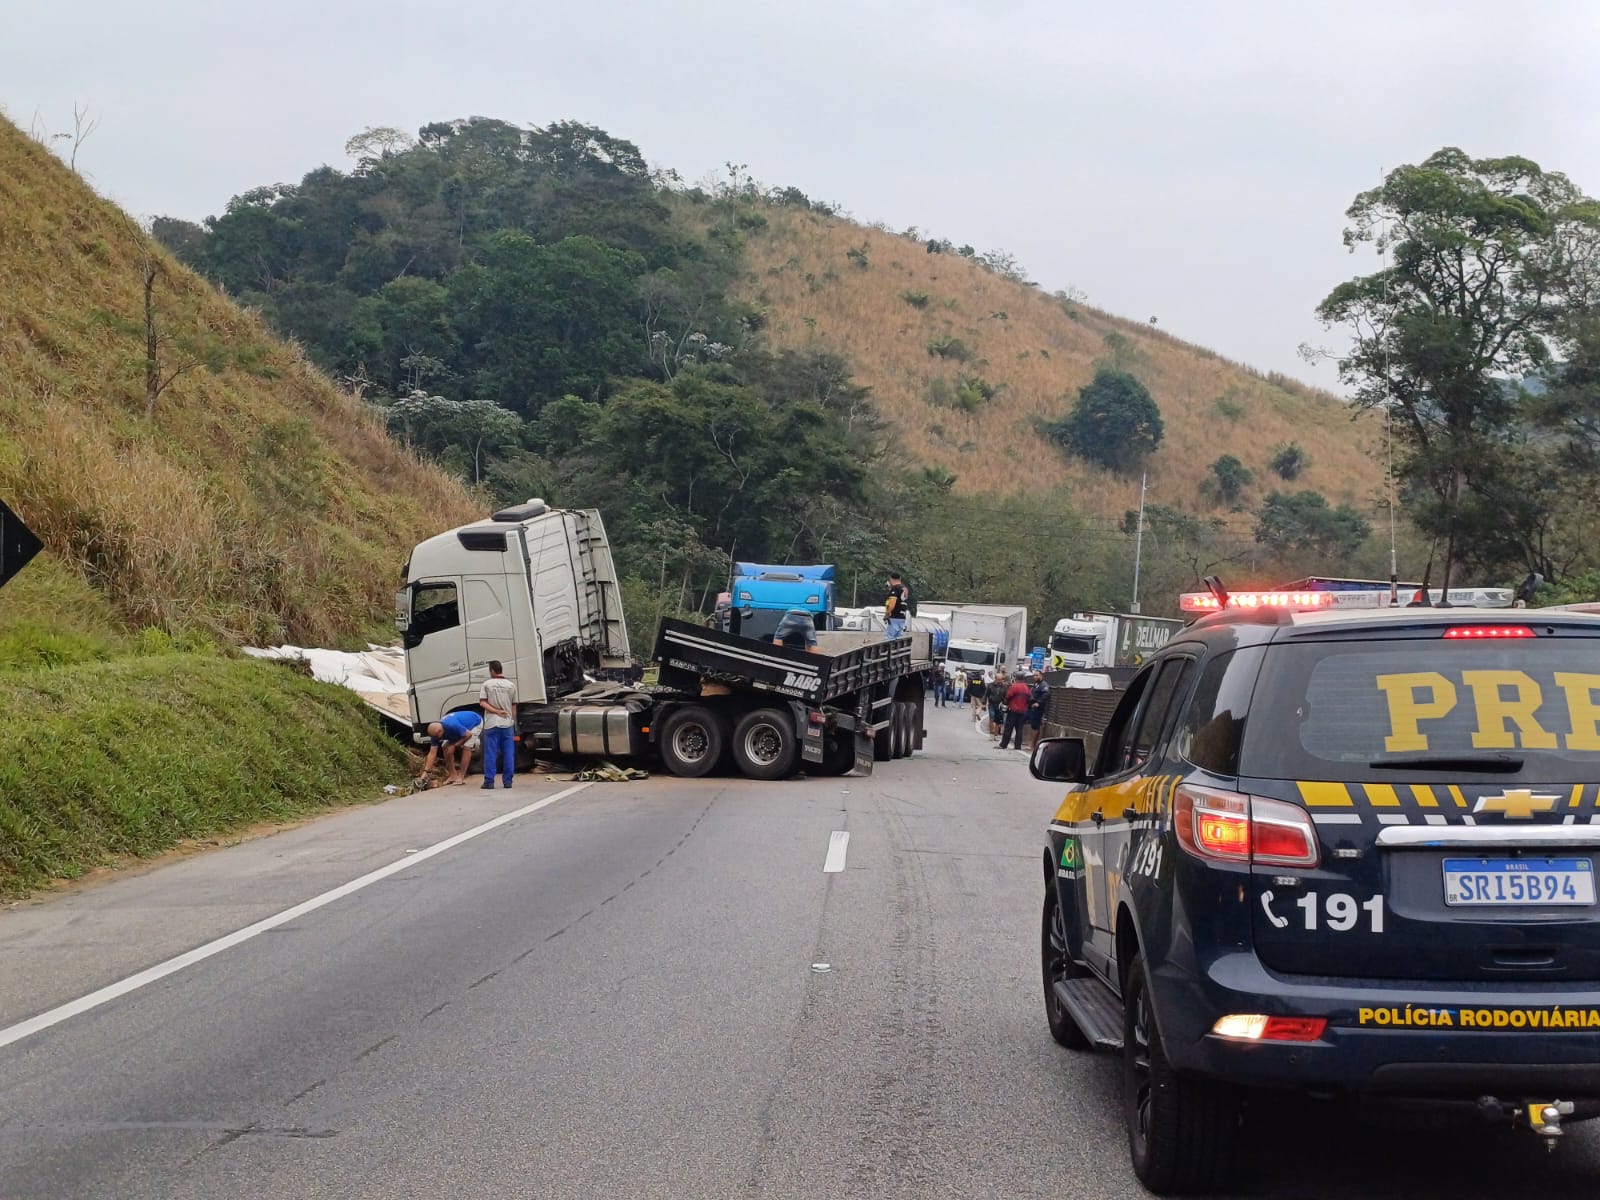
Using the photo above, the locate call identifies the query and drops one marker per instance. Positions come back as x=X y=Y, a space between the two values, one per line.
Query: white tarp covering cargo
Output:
x=376 y=674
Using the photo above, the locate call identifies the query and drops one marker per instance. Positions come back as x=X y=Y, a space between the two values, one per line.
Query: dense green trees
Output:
x=1487 y=281
x=1114 y=423
x=1304 y=521
x=1229 y=478
x=540 y=311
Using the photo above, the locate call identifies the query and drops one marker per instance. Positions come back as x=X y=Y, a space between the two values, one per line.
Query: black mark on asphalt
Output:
x=436 y=1010
x=304 y=1092
x=482 y=981
x=375 y=1047
x=233 y=1135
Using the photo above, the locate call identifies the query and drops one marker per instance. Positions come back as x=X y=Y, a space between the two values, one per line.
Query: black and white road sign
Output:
x=18 y=544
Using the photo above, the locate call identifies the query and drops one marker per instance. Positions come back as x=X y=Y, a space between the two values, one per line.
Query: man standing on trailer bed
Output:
x=896 y=606
x=498 y=698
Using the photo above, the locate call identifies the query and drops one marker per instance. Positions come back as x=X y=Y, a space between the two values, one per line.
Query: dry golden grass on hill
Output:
x=1024 y=341
x=259 y=502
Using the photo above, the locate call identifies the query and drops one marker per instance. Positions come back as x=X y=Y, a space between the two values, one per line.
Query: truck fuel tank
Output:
x=609 y=731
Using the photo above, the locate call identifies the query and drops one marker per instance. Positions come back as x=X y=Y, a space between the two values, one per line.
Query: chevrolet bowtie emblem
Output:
x=1516 y=804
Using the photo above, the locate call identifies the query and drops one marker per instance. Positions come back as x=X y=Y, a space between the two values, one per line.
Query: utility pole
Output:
x=1138 y=543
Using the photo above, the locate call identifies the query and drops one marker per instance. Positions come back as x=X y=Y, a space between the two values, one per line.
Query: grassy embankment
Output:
x=130 y=757
x=256 y=503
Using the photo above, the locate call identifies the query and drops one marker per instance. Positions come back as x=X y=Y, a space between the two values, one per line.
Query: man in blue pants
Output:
x=498 y=698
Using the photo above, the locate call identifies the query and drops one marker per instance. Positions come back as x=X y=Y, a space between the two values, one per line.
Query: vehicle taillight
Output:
x=1479 y=632
x=1229 y=827
x=1256 y=1027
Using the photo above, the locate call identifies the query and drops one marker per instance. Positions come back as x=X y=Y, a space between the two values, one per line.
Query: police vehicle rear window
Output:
x=1523 y=708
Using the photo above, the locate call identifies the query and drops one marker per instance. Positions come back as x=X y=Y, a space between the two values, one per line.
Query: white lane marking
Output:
x=838 y=843
x=73 y=1008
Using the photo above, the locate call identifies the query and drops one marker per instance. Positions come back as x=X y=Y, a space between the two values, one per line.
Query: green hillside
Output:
x=254 y=501
x=737 y=371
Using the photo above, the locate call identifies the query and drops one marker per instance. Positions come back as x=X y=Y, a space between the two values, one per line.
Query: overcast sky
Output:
x=1187 y=161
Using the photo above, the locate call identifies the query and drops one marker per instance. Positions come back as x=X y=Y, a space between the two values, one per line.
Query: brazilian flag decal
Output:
x=1069 y=854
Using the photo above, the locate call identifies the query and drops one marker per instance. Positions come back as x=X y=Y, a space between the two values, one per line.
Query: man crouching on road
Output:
x=451 y=735
x=498 y=698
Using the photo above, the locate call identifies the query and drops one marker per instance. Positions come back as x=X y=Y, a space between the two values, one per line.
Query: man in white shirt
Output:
x=498 y=699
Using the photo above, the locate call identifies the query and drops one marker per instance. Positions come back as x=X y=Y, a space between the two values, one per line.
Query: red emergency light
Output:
x=1207 y=602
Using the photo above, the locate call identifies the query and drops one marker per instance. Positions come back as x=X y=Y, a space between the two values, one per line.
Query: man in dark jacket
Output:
x=1038 y=702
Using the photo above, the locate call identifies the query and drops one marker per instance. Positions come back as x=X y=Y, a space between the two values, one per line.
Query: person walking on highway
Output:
x=896 y=606
x=1017 y=698
x=941 y=686
x=450 y=739
x=959 y=682
x=996 y=693
x=498 y=698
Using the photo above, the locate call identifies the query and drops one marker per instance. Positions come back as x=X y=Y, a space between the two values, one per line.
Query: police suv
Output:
x=1335 y=851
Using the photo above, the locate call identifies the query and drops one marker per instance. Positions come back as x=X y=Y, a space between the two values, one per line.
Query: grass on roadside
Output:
x=123 y=758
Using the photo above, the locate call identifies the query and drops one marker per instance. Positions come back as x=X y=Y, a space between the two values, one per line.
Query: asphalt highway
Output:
x=652 y=989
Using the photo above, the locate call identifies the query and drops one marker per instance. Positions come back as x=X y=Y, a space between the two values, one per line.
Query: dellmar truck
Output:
x=535 y=588
x=1091 y=640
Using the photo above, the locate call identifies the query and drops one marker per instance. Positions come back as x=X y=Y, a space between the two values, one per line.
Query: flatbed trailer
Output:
x=858 y=699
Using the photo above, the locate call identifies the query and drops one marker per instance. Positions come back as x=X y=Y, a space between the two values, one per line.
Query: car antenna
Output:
x=1215 y=586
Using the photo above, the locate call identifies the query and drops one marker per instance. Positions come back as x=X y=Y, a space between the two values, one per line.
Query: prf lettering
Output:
x=1506 y=704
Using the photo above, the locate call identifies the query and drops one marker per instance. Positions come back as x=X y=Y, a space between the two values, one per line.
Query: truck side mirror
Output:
x=402 y=609
x=1060 y=760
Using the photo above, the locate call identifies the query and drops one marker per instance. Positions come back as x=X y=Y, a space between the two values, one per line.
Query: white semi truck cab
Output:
x=533 y=587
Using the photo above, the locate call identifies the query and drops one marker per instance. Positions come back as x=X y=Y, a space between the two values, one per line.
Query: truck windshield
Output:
x=1066 y=643
x=964 y=654
x=1373 y=712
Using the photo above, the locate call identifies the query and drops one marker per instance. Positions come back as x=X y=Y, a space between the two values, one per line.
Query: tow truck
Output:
x=1341 y=851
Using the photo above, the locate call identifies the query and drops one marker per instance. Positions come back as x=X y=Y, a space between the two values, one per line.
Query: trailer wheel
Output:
x=883 y=740
x=691 y=741
x=764 y=744
x=838 y=755
x=906 y=719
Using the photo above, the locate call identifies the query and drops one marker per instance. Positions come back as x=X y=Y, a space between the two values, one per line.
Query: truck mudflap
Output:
x=864 y=755
x=815 y=731
x=813 y=723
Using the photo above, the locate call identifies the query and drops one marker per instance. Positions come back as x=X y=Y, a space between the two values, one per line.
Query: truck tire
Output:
x=883 y=740
x=764 y=744
x=905 y=722
x=911 y=727
x=1181 y=1130
x=838 y=755
x=691 y=741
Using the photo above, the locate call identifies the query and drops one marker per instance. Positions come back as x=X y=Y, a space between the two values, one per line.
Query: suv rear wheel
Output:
x=1057 y=965
x=1181 y=1131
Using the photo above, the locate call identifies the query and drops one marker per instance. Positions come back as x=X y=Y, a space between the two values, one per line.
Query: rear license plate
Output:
x=1518 y=882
